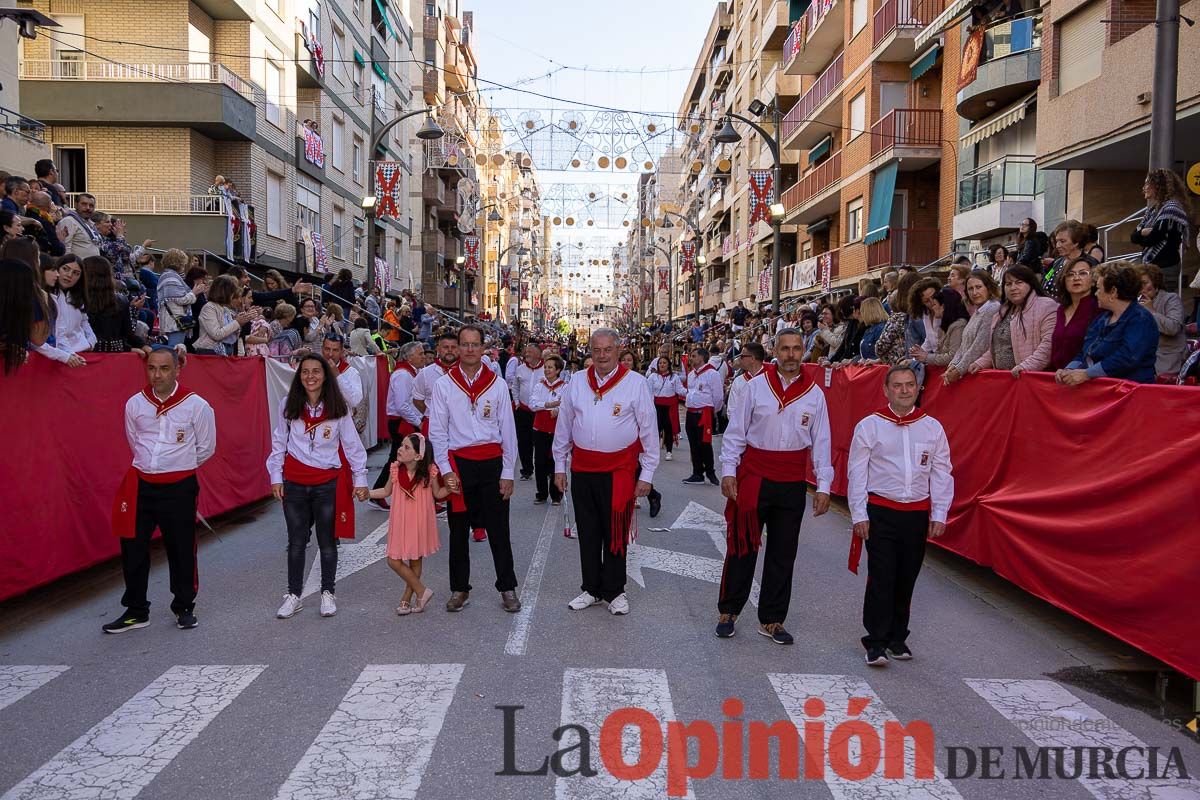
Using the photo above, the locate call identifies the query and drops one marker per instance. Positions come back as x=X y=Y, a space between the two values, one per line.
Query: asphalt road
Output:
x=371 y=705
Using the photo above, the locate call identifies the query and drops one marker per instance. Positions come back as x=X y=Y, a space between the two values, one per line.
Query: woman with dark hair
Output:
x=342 y=289
x=1122 y=340
x=628 y=360
x=308 y=476
x=1022 y=330
x=1164 y=226
x=309 y=324
x=219 y=324
x=948 y=314
x=22 y=317
x=1091 y=247
x=10 y=226
x=919 y=299
x=1070 y=239
x=984 y=294
x=807 y=325
x=544 y=402
x=1029 y=245
x=956 y=279
x=852 y=337
x=1001 y=260
x=1077 y=307
x=22 y=248
x=107 y=312
x=72 y=331
x=893 y=344
x=273 y=281
x=831 y=327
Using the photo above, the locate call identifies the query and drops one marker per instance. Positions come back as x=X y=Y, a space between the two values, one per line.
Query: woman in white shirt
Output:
x=667 y=389
x=72 y=331
x=544 y=403
x=219 y=324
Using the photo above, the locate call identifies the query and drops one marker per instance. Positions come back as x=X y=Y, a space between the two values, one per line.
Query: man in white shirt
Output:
x=607 y=427
x=171 y=431
x=522 y=375
x=781 y=424
x=447 y=357
x=474 y=443
x=751 y=362
x=403 y=417
x=900 y=491
x=705 y=396
x=349 y=381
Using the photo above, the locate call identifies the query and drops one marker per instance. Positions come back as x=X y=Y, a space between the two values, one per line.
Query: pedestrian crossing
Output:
x=386 y=730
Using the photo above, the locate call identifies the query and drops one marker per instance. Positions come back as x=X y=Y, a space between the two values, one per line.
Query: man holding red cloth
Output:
x=475 y=446
x=780 y=425
x=608 y=429
x=705 y=396
x=171 y=431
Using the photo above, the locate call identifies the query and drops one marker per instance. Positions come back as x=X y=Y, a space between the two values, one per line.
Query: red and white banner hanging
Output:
x=383 y=274
x=760 y=195
x=826 y=271
x=471 y=251
x=387 y=189
x=664 y=277
x=687 y=255
x=505 y=277
x=319 y=257
x=764 y=282
x=314 y=148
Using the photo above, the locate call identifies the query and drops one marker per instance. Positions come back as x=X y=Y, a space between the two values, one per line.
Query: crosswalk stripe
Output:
x=18 y=680
x=122 y=753
x=379 y=740
x=518 y=637
x=1051 y=716
x=589 y=696
x=836 y=692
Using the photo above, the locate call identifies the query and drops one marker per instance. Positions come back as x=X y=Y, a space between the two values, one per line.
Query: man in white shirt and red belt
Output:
x=780 y=425
x=403 y=417
x=705 y=396
x=171 y=431
x=475 y=443
x=900 y=492
x=521 y=376
x=751 y=361
x=608 y=428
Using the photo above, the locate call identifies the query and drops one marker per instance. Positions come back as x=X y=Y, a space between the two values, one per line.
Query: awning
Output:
x=953 y=11
x=1009 y=116
x=880 y=217
x=820 y=226
x=820 y=150
x=382 y=6
x=926 y=62
x=358 y=59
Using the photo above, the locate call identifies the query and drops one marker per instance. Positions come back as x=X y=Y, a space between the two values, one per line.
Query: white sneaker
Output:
x=668 y=456
x=291 y=604
x=583 y=601
x=619 y=605
x=328 y=604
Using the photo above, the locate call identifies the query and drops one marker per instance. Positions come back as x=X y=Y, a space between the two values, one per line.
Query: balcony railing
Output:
x=74 y=70
x=1010 y=37
x=1007 y=178
x=156 y=203
x=818 y=93
x=818 y=179
x=904 y=246
x=21 y=125
x=906 y=127
x=794 y=42
x=911 y=14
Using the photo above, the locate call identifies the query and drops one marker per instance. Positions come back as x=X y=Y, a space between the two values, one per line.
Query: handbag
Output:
x=184 y=323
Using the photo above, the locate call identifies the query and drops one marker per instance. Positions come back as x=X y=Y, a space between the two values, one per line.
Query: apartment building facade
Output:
x=22 y=138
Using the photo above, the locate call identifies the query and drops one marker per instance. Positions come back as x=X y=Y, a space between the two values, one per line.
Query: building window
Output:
x=360 y=79
x=858 y=16
x=358 y=9
x=339 y=222
x=357 y=162
x=274 y=205
x=1080 y=47
x=274 y=86
x=337 y=145
x=308 y=203
x=858 y=114
x=806 y=251
x=339 y=59
x=360 y=236
x=854 y=220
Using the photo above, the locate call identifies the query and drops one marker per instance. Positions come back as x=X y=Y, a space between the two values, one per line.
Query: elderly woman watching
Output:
x=1122 y=341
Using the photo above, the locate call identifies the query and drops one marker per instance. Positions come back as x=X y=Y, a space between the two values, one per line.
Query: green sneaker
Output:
x=126 y=622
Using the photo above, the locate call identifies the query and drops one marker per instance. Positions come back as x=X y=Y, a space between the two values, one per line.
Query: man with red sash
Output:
x=474 y=444
x=751 y=361
x=403 y=417
x=667 y=391
x=447 y=357
x=900 y=492
x=171 y=431
x=333 y=347
x=522 y=376
x=780 y=425
x=705 y=396
x=608 y=431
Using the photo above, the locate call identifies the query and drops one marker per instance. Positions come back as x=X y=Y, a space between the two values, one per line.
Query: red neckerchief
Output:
x=313 y=420
x=444 y=368
x=704 y=369
x=406 y=482
x=553 y=386
x=407 y=367
x=343 y=365
x=748 y=377
x=163 y=406
x=891 y=416
x=795 y=390
x=594 y=384
x=473 y=389
x=535 y=366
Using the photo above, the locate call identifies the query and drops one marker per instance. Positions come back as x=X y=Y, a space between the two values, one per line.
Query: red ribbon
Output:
x=476 y=388
x=296 y=471
x=594 y=384
x=891 y=416
x=623 y=465
x=744 y=528
x=795 y=390
x=163 y=406
x=672 y=406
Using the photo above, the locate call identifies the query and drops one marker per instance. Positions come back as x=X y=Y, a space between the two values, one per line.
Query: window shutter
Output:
x=1080 y=47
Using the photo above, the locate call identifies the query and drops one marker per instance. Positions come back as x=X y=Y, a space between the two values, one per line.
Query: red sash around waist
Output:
x=403 y=426
x=915 y=505
x=475 y=452
x=744 y=531
x=296 y=471
x=706 y=422
x=672 y=405
x=623 y=464
x=523 y=407
x=544 y=421
x=124 y=512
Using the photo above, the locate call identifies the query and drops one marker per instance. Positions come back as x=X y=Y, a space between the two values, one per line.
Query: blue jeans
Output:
x=302 y=507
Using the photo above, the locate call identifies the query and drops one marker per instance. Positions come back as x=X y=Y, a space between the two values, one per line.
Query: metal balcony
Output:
x=914 y=134
x=815 y=194
x=914 y=247
x=811 y=119
x=896 y=25
x=815 y=38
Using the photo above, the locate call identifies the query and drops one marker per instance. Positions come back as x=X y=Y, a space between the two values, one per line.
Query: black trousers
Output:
x=603 y=571
x=895 y=550
x=481 y=491
x=524 y=420
x=306 y=507
x=170 y=507
x=393 y=426
x=664 y=427
x=702 y=452
x=543 y=466
x=781 y=508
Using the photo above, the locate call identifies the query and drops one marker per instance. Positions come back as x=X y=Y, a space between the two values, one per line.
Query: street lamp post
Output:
x=493 y=216
x=522 y=250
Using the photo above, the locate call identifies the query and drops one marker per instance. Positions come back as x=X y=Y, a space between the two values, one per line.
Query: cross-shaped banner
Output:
x=664 y=275
x=760 y=195
x=471 y=250
x=387 y=189
x=505 y=275
x=687 y=255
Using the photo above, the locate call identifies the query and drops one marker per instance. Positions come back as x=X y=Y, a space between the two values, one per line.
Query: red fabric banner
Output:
x=1083 y=497
x=382 y=384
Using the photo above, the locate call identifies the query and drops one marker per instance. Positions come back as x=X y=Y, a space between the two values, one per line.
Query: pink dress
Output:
x=412 y=524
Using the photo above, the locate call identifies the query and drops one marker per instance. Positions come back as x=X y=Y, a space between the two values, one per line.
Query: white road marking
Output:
x=17 y=680
x=518 y=638
x=352 y=558
x=380 y=738
x=836 y=691
x=689 y=566
x=1050 y=716
x=697 y=517
x=589 y=696
x=122 y=753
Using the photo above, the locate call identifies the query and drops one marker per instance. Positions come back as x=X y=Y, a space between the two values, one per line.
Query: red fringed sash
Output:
x=623 y=464
x=744 y=528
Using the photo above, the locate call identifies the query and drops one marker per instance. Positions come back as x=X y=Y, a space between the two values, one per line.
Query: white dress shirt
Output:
x=758 y=422
x=454 y=423
x=622 y=416
x=494 y=366
x=904 y=463
x=318 y=447
x=521 y=379
x=543 y=394
x=737 y=388
x=720 y=365
x=400 y=397
x=72 y=331
x=350 y=382
x=181 y=438
x=669 y=386
x=705 y=389
x=424 y=382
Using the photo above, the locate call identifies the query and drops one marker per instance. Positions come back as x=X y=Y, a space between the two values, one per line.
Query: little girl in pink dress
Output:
x=412 y=487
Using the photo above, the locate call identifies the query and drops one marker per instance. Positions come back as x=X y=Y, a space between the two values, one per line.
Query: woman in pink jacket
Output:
x=1023 y=328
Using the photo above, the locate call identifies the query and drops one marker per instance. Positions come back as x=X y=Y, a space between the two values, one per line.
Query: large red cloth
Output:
x=623 y=464
x=744 y=529
x=672 y=406
x=382 y=379
x=296 y=471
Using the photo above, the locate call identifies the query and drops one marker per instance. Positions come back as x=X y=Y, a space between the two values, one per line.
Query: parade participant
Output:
x=403 y=417
x=334 y=349
x=664 y=354
x=309 y=476
x=447 y=357
x=606 y=427
x=522 y=376
x=171 y=431
x=474 y=445
x=705 y=395
x=900 y=490
x=667 y=391
x=751 y=361
x=547 y=395
x=780 y=424
x=412 y=485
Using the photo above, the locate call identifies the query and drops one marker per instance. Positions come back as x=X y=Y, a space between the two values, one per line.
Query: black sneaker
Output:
x=525 y=477
x=186 y=621
x=877 y=657
x=712 y=478
x=776 y=633
x=655 y=505
x=725 y=629
x=900 y=652
x=539 y=501
x=126 y=622
x=694 y=479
